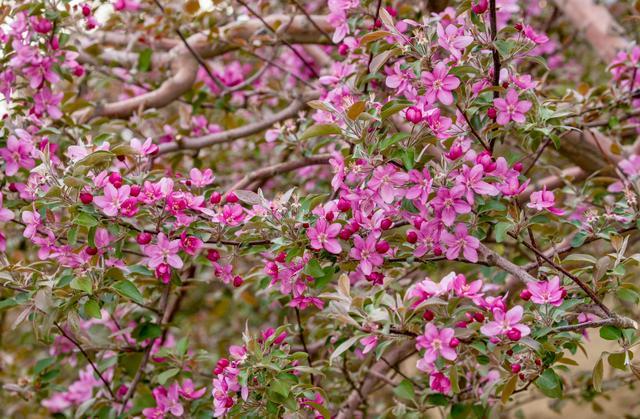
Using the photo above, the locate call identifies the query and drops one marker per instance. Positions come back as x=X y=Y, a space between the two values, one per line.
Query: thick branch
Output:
x=236 y=133
x=185 y=66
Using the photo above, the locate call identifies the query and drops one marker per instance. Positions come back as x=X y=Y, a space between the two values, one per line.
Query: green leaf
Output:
x=42 y=365
x=344 y=346
x=128 y=289
x=392 y=107
x=405 y=390
x=85 y=220
x=389 y=141
x=92 y=308
x=280 y=387
x=596 y=378
x=82 y=283
x=619 y=359
x=610 y=333
x=314 y=269
x=164 y=376
x=501 y=231
x=147 y=331
x=319 y=130
x=549 y=384
x=144 y=60
x=320 y=408
x=509 y=388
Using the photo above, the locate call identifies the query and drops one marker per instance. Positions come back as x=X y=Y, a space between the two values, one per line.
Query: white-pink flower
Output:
x=164 y=251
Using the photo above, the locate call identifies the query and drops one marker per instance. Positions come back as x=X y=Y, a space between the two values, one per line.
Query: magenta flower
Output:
x=505 y=322
x=440 y=383
x=17 y=153
x=232 y=215
x=113 y=199
x=547 y=292
x=544 y=199
x=166 y=402
x=400 y=79
x=464 y=289
x=439 y=84
x=511 y=108
x=421 y=185
x=365 y=251
x=436 y=342
x=387 y=180
x=201 y=179
x=146 y=148
x=32 y=220
x=448 y=203
x=323 y=235
x=165 y=251
x=438 y=124
x=47 y=102
x=471 y=178
x=369 y=343
x=460 y=241
x=190 y=244
x=5 y=214
x=453 y=39
x=188 y=390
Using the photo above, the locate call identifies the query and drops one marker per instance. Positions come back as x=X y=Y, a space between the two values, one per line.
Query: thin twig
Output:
x=86 y=355
x=304 y=343
x=284 y=41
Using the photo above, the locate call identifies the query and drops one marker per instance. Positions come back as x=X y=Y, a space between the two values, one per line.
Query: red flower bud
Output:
x=479 y=317
x=386 y=224
x=518 y=26
x=91 y=250
x=115 y=179
x=282 y=257
x=344 y=205
x=215 y=198
x=515 y=368
x=525 y=295
x=231 y=198
x=412 y=237
x=343 y=49
x=517 y=167
x=86 y=198
x=135 y=190
x=213 y=255
x=413 y=115
x=143 y=238
x=428 y=315
x=492 y=113
x=237 y=281
x=454 y=342
x=382 y=247
x=514 y=334
x=330 y=216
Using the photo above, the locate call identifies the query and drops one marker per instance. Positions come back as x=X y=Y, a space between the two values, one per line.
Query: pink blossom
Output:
x=547 y=292
x=439 y=84
x=541 y=200
x=111 y=202
x=436 y=342
x=166 y=402
x=452 y=39
x=400 y=79
x=471 y=178
x=146 y=148
x=201 y=179
x=47 y=102
x=511 y=108
x=33 y=221
x=369 y=343
x=461 y=241
x=534 y=36
x=448 y=204
x=190 y=244
x=364 y=250
x=5 y=214
x=464 y=289
x=387 y=180
x=188 y=390
x=421 y=185
x=18 y=153
x=165 y=251
x=232 y=215
x=323 y=235
x=504 y=322
x=440 y=383
x=438 y=124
